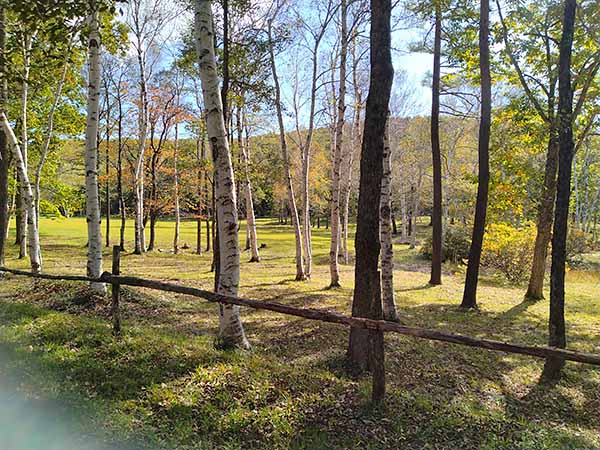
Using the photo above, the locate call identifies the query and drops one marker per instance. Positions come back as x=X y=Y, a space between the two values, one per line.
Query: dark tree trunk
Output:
x=224 y=92
x=208 y=231
x=394 y=225
x=153 y=220
x=199 y=235
x=535 y=288
x=436 y=216
x=367 y=244
x=5 y=154
x=470 y=293
x=557 y=337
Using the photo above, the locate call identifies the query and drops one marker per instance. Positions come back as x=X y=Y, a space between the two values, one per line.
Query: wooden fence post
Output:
x=376 y=353
x=116 y=290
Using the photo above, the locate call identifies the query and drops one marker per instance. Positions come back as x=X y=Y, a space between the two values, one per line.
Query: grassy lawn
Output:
x=66 y=382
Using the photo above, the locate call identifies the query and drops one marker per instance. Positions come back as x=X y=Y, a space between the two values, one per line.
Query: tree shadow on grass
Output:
x=417 y=288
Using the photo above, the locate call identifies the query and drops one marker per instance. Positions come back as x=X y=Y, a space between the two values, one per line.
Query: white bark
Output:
x=334 y=247
x=176 y=182
x=230 y=324
x=307 y=144
x=33 y=242
x=353 y=150
x=92 y=200
x=385 y=231
x=250 y=219
x=306 y=231
x=27 y=45
x=300 y=275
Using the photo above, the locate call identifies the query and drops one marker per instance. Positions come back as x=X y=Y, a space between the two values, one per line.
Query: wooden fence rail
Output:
x=321 y=315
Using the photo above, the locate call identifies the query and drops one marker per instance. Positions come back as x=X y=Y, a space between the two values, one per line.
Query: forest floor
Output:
x=67 y=383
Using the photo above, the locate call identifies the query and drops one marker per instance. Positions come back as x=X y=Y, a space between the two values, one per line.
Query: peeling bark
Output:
x=92 y=198
x=231 y=331
x=33 y=243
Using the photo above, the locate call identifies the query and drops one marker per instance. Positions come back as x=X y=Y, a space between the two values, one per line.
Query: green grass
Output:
x=163 y=384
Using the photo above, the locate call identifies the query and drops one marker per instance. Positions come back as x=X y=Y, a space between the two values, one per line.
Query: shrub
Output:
x=509 y=250
x=455 y=246
x=49 y=209
x=577 y=244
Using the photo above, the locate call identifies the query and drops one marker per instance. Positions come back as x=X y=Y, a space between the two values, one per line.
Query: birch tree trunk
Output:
x=353 y=150
x=22 y=219
x=300 y=274
x=337 y=154
x=92 y=199
x=33 y=242
x=250 y=219
x=385 y=231
x=107 y=167
x=122 y=211
x=230 y=324
x=140 y=233
x=5 y=154
x=176 y=183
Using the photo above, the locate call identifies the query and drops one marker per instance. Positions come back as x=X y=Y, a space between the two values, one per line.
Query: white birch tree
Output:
x=334 y=270
x=300 y=275
x=250 y=219
x=92 y=199
x=231 y=331
x=33 y=241
x=385 y=232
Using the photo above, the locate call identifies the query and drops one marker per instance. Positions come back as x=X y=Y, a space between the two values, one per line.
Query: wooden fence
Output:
x=375 y=326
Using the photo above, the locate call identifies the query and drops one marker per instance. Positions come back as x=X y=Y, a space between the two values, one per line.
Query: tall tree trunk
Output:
x=107 y=168
x=5 y=154
x=355 y=145
x=300 y=274
x=385 y=230
x=367 y=243
x=122 y=211
x=250 y=219
x=33 y=243
x=557 y=337
x=176 y=183
x=22 y=219
x=140 y=235
x=334 y=269
x=415 y=211
x=436 y=218
x=230 y=324
x=92 y=198
x=535 y=288
x=470 y=293
x=153 y=210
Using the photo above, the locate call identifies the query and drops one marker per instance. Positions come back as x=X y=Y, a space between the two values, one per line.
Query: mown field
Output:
x=68 y=383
